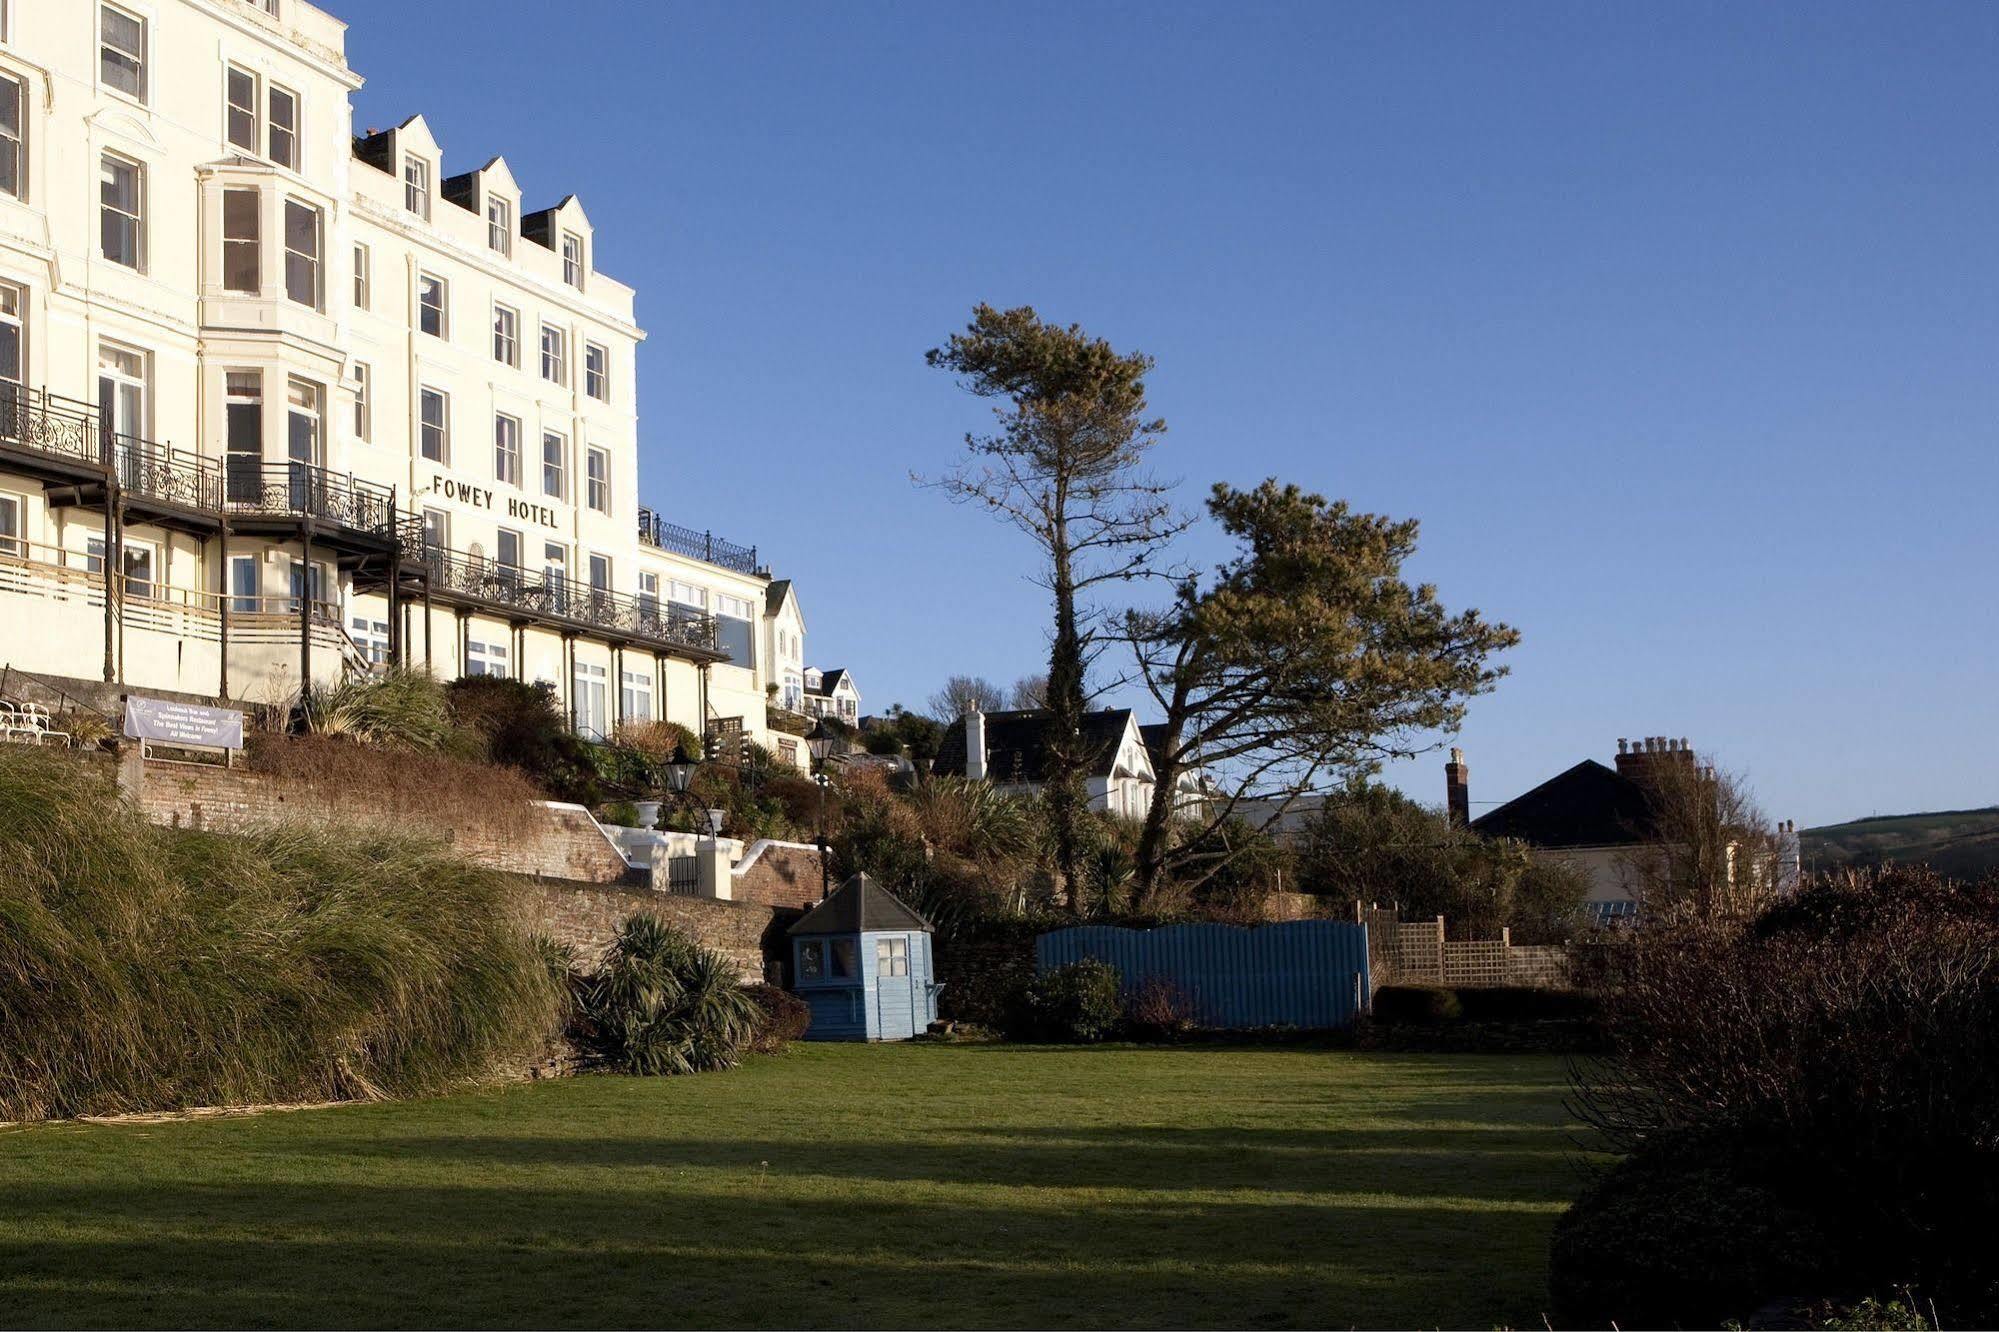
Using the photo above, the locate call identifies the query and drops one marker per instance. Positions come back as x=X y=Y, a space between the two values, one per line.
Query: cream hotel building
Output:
x=280 y=401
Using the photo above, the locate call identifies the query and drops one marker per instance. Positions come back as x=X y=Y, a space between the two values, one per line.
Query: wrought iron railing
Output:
x=71 y=430
x=705 y=546
x=557 y=597
x=296 y=489
x=42 y=421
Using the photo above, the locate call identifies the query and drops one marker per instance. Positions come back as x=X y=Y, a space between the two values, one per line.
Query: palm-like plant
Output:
x=661 y=1004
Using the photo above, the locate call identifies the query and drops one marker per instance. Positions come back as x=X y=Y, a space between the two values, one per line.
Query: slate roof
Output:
x=774 y=595
x=828 y=682
x=857 y=906
x=1017 y=745
x=1589 y=805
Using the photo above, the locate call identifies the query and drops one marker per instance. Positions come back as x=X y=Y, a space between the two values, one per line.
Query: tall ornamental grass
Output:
x=149 y=969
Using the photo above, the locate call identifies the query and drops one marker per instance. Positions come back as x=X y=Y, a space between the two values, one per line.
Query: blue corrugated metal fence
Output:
x=1302 y=973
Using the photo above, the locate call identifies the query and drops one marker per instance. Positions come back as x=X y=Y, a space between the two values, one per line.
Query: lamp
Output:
x=679 y=771
x=825 y=870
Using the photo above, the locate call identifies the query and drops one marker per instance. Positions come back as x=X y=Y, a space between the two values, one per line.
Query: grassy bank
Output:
x=834 y=1186
x=143 y=968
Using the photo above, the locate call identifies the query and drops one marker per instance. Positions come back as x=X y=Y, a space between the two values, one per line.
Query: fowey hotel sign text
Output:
x=481 y=497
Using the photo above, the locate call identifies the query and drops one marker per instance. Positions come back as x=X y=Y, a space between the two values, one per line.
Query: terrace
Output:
x=656 y=532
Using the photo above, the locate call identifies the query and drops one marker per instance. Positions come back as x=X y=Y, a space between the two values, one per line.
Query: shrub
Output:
x=524 y=730
x=144 y=968
x=402 y=708
x=1416 y=1004
x=1841 y=1054
x=781 y=1018
x=437 y=790
x=662 y=1004
x=1524 y=1003
x=1664 y=1240
x=1078 y=1004
x=622 y=814
x=1159 y=1011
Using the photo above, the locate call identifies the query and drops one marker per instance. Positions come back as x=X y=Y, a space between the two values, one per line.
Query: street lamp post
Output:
x=821 y=744
x=679 y=771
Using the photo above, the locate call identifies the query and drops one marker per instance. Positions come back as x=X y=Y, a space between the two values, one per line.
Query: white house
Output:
x=1010 y=749
x=831 y=693
x=278 y=402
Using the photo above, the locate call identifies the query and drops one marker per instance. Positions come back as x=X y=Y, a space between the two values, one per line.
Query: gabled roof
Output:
x=774 y=595
x=857 y=906
x=542 y=225
x=829 y=680
x=1017 y=744
x=1589 y=805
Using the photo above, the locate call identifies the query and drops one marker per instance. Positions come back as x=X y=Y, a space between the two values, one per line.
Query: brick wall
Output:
x=558 y=841
x=586 y=917
x=780 y=875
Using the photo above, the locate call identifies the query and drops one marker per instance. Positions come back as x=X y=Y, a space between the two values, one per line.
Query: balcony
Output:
x=62 y=431
x=300 y=490
x=705 y=546
x=566 y=602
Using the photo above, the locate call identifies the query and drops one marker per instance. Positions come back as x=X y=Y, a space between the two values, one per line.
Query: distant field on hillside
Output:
x=1962 y=842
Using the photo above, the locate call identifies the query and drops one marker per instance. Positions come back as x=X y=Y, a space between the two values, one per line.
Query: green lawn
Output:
x=834 y=1186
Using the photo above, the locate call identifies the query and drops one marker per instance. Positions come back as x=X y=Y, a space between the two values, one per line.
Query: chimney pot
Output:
x=1457 y=789
x=1623 y=746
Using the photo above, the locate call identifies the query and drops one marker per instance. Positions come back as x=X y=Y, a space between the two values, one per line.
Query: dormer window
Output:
x=416 y=186
x=572 y=259
x=499 y=224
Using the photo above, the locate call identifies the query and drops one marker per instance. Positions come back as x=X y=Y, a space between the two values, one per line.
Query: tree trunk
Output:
x=1065 y=720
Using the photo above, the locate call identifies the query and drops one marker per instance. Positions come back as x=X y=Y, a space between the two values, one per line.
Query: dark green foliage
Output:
x=781 y=1018
x=1524 y=1003
x=661 y=1004
x=1840 y=1054
x=525 y=730
x=621 y=813
x=1077 y=1004
x=1416 y=1004
x=1371 y=843
x=148 y=969
x=901 y=731
x=1670 y=1241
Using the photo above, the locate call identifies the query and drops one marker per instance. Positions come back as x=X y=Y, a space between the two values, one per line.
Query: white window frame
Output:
x=483 y=658
x=559 y=464
x=295 y=131
x=254 y=242
x=245 y=600
x=500 y=225
x=507 y=335
x=14 y=318
x=371 y=636
x=14 y=143
x=635 y=696
x=554 y=354
x=589 y=704
x=231 y=108
x=416 y=185
x=105 y=161
x=443 y=307
x=436 y=530
x=141 y=60
x=574 y=256
x=364 y=277
x=425 y=393
x=364 y=404
x=506 y=460
x=597 y=485
x=315 y=259
x=597 y=371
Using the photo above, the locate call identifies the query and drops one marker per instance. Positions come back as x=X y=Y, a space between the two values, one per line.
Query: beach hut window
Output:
x=811 y=961
x=892 y=957
x=846 y=960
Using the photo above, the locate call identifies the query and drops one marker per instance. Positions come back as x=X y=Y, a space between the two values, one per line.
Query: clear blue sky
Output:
x=1677 y=326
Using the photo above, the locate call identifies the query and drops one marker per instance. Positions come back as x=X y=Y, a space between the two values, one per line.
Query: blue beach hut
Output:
x=861 y=959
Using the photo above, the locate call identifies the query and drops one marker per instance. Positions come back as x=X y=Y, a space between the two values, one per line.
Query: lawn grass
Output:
x=832 y=1186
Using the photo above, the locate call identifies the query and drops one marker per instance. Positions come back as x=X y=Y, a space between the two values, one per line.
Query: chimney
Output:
x=1457 y=789
x=1652 y=754
x=975 y=744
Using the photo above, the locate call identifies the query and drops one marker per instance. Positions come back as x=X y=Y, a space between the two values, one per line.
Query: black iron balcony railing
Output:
x=302 y=490
x=73 y=431
x=556 y=597
x=705 y=546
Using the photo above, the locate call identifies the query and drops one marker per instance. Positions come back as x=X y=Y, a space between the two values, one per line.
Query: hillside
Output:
x=1961 y=842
